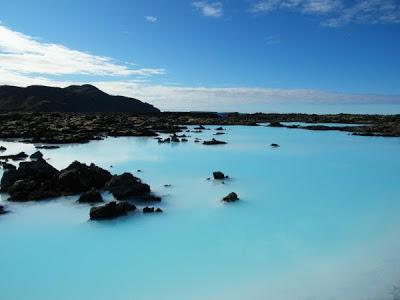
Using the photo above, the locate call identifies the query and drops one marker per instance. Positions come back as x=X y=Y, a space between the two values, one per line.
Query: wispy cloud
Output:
x=23 y=54
x=151 y=19
x=209 y=9
x=272 y=40
x=26 y=61
x=368 y=12
x=336 y=13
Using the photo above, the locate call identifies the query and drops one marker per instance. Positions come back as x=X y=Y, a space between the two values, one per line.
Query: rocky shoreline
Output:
x=63 y=128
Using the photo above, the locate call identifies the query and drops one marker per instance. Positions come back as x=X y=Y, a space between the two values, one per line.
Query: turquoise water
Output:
x=317 y=219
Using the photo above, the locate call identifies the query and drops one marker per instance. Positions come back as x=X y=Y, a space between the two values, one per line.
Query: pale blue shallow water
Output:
x=318 y=219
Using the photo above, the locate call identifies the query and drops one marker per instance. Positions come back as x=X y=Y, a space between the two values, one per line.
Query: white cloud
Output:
x=151 y=19
x=337 y=12
x=305 y=6
x=209 y=9
x=26 y=61
x=23 y=54
x=368 y=12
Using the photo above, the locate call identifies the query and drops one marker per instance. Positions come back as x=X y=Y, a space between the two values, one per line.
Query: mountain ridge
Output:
x=74 y=98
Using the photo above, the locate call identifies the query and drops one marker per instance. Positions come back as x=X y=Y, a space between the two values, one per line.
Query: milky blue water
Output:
x=318 y=219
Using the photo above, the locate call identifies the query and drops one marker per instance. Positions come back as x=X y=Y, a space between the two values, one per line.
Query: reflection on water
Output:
x=317 y=219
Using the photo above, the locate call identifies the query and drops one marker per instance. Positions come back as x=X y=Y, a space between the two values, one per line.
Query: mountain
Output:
x=75 y=98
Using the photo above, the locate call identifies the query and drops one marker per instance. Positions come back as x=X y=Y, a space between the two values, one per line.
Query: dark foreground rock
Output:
x=111 y=210
x=2 y=148
x=231 y=197
x=7 y=166
x=2 y=210
x=126 y=185
x=19 y=156
x=37 y=155
x=79 y=177
x=91 y=196
x=214 y=142
x=219 y=175
x=36 y=180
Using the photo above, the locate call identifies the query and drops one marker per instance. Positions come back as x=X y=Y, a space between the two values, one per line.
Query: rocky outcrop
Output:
x=91 y=196
x=214 y=142
x=218 y=175
x=231 y=197
x=111 y=210
x=36 y=155
x=35 y=180
x=126 y=185
x=79 y=177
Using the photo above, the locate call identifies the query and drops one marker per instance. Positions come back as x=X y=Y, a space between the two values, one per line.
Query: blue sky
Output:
x=255 y=50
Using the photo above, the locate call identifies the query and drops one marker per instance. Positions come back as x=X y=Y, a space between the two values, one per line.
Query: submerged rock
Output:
x=126 y=185
x=111 y=210
x=276 y=124
x=147 y=210
x=91 y=196
x=47 y=147
x=214 y=142
x=231 y=197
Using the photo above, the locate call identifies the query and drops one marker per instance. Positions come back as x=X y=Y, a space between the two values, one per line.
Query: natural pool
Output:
x=318 y=219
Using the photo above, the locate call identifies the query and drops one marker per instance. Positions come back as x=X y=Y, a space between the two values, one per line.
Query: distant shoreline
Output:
x=64 y=128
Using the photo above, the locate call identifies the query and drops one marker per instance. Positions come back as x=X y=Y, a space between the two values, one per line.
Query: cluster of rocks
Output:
x=36 y=180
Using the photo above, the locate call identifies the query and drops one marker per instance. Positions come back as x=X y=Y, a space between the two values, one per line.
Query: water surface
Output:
x=317 y=219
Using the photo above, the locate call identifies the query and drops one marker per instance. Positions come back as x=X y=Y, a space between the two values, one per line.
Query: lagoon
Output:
x=317 y=219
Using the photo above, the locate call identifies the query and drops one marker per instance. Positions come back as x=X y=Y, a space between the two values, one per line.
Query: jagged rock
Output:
x=111 y=210
x=231 y=197
x=91 y=196
x=218 y=175
x=126 y=185
x=37 y=155
x=214 y=142
x=79 y=177
x=147 y=210
x=39 y=171
x=7 y=166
